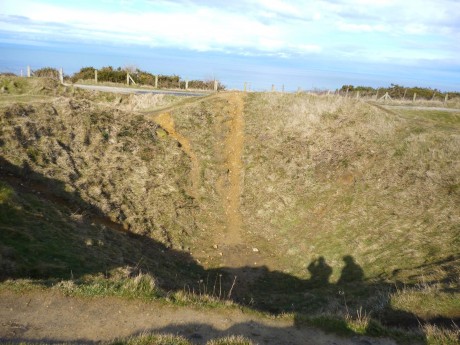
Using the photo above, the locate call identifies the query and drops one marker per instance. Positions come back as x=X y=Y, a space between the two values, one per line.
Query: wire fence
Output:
x=395 y=94
x=107 y=76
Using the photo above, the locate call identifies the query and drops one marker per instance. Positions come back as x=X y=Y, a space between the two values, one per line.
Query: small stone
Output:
x=215 y=246
x=255 y=250
x=221 y=254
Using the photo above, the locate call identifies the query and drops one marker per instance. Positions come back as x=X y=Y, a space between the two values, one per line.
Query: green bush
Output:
x=85 y=73
x=47 y=72
x=398 y=91
x=111 y=75
x=118 y=75
x=205 y=85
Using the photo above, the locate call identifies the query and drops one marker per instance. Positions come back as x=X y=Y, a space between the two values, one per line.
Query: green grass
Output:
x=148 y=339
x=325 y=179
x=162 y=339
x=447 y=117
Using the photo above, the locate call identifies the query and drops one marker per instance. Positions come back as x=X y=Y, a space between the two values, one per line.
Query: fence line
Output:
x=158 y=81
x=398 y=94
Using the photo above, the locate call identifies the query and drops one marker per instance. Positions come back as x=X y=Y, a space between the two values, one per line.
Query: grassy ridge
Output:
x=352 y=207
x=337 y=180
x=345 y=178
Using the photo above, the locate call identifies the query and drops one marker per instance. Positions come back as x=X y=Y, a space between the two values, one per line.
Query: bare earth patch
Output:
x=48 y=316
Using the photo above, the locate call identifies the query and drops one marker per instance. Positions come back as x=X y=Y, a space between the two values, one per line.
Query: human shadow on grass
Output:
x=57 y=245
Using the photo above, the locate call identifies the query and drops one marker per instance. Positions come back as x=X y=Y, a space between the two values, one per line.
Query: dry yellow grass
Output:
x=326 y=184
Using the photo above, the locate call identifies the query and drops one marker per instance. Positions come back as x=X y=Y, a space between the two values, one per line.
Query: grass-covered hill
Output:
x=319 y=205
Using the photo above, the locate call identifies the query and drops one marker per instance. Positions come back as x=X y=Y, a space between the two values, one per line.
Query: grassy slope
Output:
x=324 y=177
x=342 y=178
x=79 y=178
x=112 y=159
x=47 y=238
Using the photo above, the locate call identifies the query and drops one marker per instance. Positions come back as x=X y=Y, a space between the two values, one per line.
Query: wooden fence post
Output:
x=28 y=71
x=404 y=96
x=186 y=84
x=273 y=87
x=95 y=75
x=61 y=75
x=127 y=78
x=446 y=98
x=377 y=95
x=346 y=94
x=156 y=81
x=132 y=80
x=215 y=85
x=386 y=96
x=357 y=95
x=415 y=96
x=282 y=88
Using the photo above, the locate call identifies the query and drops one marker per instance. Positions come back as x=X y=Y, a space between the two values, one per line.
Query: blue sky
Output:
x=307 y=44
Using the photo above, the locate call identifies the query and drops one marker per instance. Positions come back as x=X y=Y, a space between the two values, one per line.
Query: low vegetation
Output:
x=118 y=75
x=169 y=339
x=349 y=212
x=401 y=92
x=111 y=75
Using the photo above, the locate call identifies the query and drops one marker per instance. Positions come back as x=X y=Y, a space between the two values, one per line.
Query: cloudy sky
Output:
x=308 y=44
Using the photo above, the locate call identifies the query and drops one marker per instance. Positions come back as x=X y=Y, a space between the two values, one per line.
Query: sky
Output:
x=308 y=44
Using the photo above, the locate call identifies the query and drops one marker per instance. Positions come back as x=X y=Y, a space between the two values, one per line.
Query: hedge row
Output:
x=109 y=74
x=118 y=75
x=398 y=91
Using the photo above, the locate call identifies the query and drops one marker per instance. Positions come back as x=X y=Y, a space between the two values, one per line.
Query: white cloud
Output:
x=189 y=26
x=279 y=7
x=282 y=28
x=351 y=27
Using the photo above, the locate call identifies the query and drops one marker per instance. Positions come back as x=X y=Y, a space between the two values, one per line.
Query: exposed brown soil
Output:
x=48 y=316
x=312 y=163
x=234 y=151
x=167 y=123
x=230 y=241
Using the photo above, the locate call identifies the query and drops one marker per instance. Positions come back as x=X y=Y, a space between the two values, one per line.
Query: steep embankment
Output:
x=331 y=177
x=333 y=191
x=114 y=160
x=315 y=204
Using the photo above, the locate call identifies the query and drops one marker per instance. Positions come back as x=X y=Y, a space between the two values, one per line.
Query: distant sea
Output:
x=260 y=72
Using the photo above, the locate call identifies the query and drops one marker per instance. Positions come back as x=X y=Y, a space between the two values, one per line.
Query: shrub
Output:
x=47 y=72
x=118 y=75
x=85 y=73
x=398 y=91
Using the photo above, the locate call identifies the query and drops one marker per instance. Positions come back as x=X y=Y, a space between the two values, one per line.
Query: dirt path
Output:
x=236 y=252
x=48 y=316
x=229 y=239
x=234 y=145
